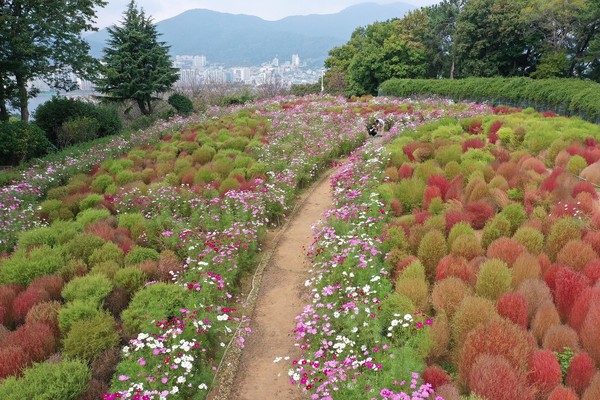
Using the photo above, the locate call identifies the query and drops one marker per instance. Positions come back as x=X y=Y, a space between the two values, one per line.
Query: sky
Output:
x=266 y=9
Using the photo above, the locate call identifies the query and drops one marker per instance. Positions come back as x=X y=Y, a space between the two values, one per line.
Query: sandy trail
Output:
x=280 y=300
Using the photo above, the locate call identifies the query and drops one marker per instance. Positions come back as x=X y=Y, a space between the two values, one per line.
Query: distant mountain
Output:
x=244 y=40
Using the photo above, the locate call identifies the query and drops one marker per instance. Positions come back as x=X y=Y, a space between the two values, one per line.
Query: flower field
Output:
x=460 y=261
x=121 y=277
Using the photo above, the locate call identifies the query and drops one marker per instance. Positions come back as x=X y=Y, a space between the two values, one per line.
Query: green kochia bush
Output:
x=75 y=311
x=23 y=267
x=153 y=303
x=90 y=288
x=65 y=380
x=88 y=338
x=21 y=141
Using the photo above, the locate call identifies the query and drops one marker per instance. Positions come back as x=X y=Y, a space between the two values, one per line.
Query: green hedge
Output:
x=564 y=96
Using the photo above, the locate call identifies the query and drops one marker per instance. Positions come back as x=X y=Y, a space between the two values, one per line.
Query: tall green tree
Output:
x=137 y=65
x=42 y=40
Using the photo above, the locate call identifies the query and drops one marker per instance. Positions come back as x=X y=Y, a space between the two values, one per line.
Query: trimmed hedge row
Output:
x=564 y=96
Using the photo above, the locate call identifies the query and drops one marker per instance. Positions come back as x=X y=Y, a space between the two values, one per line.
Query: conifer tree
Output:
x=136 y=65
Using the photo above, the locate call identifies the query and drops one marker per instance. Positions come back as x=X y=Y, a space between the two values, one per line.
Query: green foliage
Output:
x=22 y=141
x=107 y=252
x=515 y=214
x=153 y=303
x=531 y=238
x=88 y=338
x=23 y=267
x=495 y=228
x=101 y=182
x=140 y=254
x=75 y=311
x=92 y=289
x=130 y=279
x=77 y=130
x=64 y=380
x=458 y=229
x=493 y=280
x=410 y=193
x=82 y=246
x=91 y=201
x=561 y=232
x=564 y=359
x=576 y=164
x=137 y=65
x=449 y=153
x=181 y=103
x=431 y=250
x=58 y=233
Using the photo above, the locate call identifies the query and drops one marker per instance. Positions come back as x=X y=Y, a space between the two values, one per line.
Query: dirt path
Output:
x=280 y=300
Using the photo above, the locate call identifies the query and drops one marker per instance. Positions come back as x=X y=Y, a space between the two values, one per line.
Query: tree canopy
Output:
x=42 y=40
x=480 y=38
x=136 y=65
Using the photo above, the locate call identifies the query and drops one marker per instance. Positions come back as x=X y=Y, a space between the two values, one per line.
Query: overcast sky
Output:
x=266 y=9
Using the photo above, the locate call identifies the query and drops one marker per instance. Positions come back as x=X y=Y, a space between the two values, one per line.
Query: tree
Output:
x=41 y=40
x=137 y=65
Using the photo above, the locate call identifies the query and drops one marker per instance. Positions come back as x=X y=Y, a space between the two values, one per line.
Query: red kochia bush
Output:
x=563 y=393
x=544 y=372
x=505 y=249
x=580 y=308
x=27 y=299
x=453 y=217
x=513 y=306
x=474 y=143
x=584 y=187
x=592 y=271
x=440 y=182
x=7 y=296
x=12 y=361
x=52 y=284
x=430 y=193
x=479 y=212
x=498 y=337
x=568 y=286
x=558 y=337
x=493 y=377
x=593 y=390
x=452 y=266
x=405 y=171
x=591 y=327
x=576 y=254
x=36 y=340
x=580 y=372
x=435 y=376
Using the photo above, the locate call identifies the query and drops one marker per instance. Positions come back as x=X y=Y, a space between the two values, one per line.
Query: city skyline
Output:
x=265 y=9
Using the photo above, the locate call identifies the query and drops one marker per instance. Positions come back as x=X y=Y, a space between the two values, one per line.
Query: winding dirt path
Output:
x=280 y=300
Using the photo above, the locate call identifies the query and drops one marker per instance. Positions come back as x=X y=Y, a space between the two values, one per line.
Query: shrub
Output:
x=466 y=246
x=576 y=164
x=591 y=327
x=515 y=214
x=471 y=312
x=416 y=290
x=26 y=300
x=116 y=301
x=101 y=182
x=91 y=215
x=558 y=337
x=513 y=307
x=109 y=251
x=169 y=266
x=536 y=292
x=561 y=232
x=569 y=285
x=492 y=377
x=431 y=250
x=22 y=268
x=593 y=390
x=531 y=238
x=22 y=141
x=580 y=372
x=77 y=130
x=593 y=238
x=105 y=365
x=181 y=103
x=452 y=266
x=88 y=338
x=498 y=337
x=90 y=288
x=95 y=390
x=453 y=217
x=576 y=254
x=525 y=267
x=458 y=229
x=73 y=312
x=493 y=280
x=45 y=381
x=580 y=308
x=545 y=317
x=439 y=334
x=140 y=254
x=8 y=293
x=435 y=376
x=82 y=246
x=36 y=340
x=450 y=392
x=45 y=313
x=544 y=372
x=107 y=269
x=12 y=361
x=495 y=228
x=153 y=303
x=130 y=279
x=448 y=293
x=563 y=393
x=505 y=249
x=479 y=212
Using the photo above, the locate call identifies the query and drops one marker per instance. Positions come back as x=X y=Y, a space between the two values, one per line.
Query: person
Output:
x=377 y=127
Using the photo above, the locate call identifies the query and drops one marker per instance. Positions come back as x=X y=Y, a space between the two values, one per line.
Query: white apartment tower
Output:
x=295 y=60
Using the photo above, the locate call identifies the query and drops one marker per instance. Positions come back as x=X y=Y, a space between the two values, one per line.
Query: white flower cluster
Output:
x=404 y=322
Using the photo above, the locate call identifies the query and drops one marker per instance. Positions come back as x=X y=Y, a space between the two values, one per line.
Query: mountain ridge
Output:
x=244 y=40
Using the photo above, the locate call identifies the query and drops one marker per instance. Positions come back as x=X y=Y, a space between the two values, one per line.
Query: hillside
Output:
x=237 y=39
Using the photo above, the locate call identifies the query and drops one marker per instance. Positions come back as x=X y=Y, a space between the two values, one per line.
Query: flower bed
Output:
x=149 y=249
x=486 y=229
